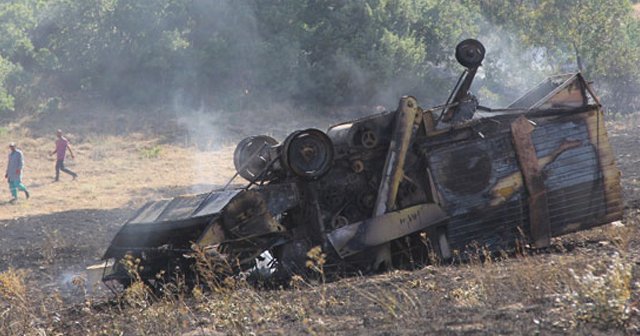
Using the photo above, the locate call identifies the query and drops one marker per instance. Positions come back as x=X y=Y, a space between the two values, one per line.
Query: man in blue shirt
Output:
x=14 y=172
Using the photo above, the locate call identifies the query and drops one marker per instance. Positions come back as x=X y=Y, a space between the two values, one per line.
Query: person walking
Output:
x=14 y=172
x=62 y=145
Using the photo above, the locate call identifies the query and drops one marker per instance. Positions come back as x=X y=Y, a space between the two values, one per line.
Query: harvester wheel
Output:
x=251 y=156
x=470 y=53
x=308 y=153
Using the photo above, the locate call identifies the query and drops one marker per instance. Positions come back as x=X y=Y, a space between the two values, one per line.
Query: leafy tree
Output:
x=354 y=52
x=239 y=54
x=601 y=39
x=6 y=99
x=18 y=56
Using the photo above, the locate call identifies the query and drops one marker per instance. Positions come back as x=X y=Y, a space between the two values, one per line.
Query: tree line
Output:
x=242 y=54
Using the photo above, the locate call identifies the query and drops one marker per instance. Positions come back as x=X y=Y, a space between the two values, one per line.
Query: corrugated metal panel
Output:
x=472 y=217
x=181 y=207
x=582 y=182
x=149 y=212
x=214 y=202
x=465 y=173
x=176 y=222
x=497 y=228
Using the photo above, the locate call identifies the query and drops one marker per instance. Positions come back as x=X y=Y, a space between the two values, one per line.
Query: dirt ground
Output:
x=66 y=226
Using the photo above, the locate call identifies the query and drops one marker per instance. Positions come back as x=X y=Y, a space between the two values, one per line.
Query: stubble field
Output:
x=586 y=283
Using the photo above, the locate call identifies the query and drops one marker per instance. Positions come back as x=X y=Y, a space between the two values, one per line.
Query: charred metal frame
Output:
x=369 y=190
x=521 y=129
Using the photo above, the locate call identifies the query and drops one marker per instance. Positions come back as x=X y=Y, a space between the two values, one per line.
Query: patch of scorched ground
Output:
x=67 y=225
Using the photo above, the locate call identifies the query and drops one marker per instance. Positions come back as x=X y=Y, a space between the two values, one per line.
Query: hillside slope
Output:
x=586 y=283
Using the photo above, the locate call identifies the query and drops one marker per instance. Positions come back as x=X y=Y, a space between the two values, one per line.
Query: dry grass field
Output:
x=586 y=283
x=113 y=172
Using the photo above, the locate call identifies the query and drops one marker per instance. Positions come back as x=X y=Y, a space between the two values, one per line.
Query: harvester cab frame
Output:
x=393 y=190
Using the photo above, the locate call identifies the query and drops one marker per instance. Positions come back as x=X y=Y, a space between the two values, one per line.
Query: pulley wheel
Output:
x=308 y=153
x=251 y=156
x=339 y=221
x=470 y=53
x=369 y=139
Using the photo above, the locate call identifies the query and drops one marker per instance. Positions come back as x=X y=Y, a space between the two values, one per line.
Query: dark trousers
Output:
x=60 y=166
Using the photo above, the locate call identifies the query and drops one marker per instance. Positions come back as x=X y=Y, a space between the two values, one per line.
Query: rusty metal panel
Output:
x=573 y=177
x=594 y=197
x=521 y=130
x=606 y=160
x=213 y=234
x=247 y=215
x=475 y=174
x=481 y=187
x=566 y=91
x=278 y=198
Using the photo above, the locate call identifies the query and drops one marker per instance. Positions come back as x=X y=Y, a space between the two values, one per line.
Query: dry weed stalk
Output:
x=212 y=269
x=53 y=241
x=315 y=262
x=232 y=303
x=398 y=301
x=20 y=311
x=602 y=295
x=150 y=314
x=471 y=294
x=17 y=311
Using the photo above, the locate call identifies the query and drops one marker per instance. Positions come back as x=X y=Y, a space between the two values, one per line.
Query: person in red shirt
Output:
x=62 y=145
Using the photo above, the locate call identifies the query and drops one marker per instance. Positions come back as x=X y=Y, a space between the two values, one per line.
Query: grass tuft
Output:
x=602 y=294
x=152 y=152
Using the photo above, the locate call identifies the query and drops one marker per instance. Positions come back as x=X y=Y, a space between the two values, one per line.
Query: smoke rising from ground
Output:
x=226 y=69
x=509 y=70
x=277 y=89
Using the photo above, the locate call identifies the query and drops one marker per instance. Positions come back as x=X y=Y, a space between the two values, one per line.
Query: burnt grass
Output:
x=586 y=283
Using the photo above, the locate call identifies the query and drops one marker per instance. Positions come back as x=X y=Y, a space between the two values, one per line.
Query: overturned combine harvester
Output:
x=386 y=190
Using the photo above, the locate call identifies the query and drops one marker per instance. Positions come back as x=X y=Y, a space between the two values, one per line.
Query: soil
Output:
x=56 y=247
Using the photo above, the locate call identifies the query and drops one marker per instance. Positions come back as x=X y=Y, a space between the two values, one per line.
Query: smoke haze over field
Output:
x=277 y=89
x=222 y=67
x=270 y=86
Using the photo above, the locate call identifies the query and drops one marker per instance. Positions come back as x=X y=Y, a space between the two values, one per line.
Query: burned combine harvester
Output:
x=382 y=191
